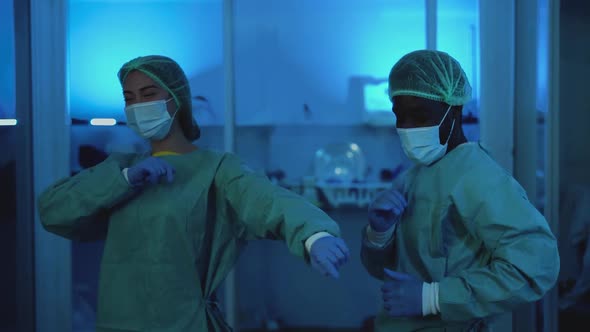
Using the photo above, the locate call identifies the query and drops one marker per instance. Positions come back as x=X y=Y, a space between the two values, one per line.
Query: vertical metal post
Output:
x=525 y=123
x=25 y=216
x=431 y=24
x=229 y=139
x=497 y=78
x=552 y=177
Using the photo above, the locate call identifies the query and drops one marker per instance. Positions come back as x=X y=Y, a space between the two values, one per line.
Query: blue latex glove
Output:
x=386 y=210
x=402 y=294
x=150 y=171
x=327 y=254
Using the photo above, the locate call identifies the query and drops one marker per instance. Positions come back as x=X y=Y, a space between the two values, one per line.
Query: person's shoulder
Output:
x=234 y=162
x=222 y=161
x=211 y=159
x=220 y=158
x=231 y=168
x=475 y=160
x=209 y=155
x=479 y=172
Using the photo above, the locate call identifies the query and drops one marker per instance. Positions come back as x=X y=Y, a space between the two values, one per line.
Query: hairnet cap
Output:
x=432 y=75
x=170 y=76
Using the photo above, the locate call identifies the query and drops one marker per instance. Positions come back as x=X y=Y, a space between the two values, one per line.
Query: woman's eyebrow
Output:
x=148 y=87
x=142 y=89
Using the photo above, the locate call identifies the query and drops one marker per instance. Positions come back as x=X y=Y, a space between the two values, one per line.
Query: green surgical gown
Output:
x=469 y=226
x=170 y=246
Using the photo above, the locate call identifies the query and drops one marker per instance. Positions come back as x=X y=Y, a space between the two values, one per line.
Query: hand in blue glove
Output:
x=402 y=294
x=150 y=171
x=327 y=254
x=386 y=209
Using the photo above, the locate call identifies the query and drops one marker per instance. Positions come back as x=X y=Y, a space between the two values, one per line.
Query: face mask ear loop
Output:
x=452 y=126
x=450 y=132
x=177 y=108
x=444 y=117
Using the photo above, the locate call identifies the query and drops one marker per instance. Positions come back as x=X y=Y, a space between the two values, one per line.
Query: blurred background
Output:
x=297 y=88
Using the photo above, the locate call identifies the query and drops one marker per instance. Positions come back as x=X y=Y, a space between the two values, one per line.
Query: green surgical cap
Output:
x=168 y=74
x=432 y=75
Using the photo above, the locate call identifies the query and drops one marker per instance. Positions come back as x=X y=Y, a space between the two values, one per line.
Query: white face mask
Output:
x=150 y=120
x=422 y=144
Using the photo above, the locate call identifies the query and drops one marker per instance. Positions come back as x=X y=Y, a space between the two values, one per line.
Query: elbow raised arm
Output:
x=521 y=272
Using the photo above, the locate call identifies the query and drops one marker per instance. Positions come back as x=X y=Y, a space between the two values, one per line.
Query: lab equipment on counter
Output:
x=340 y=163
x=356 y=194
x=340 y=171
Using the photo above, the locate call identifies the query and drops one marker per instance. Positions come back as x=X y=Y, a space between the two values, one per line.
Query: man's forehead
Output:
x=416 y=104
x=402 y=103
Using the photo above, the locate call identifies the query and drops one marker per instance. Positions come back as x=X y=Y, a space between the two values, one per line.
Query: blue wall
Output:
x=294 y=52
x=457 y=25
x=105 y=34
x=287 y=53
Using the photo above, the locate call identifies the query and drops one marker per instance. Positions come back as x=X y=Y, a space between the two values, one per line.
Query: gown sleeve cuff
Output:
x=430 y=305
x=379 y=239
x=124 y=172
x=310 y=240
